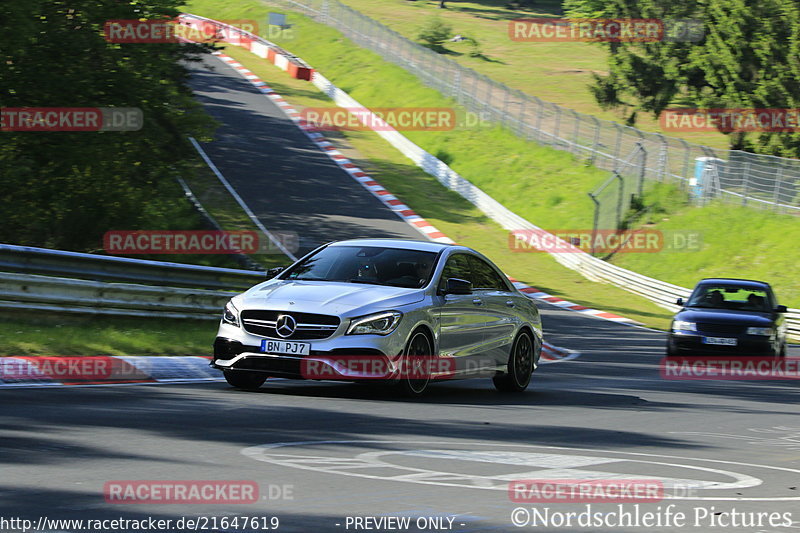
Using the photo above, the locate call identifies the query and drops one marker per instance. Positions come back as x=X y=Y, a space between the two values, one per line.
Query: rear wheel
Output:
x=245 y=380
x=520 y=366
x=414 y=382
x=782 y=351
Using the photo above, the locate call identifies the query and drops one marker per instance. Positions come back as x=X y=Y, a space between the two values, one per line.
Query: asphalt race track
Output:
x=282 y=176
x=329 y=457
x=451 y=454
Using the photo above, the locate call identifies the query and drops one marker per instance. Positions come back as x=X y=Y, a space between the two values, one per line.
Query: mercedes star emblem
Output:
x=285 y=325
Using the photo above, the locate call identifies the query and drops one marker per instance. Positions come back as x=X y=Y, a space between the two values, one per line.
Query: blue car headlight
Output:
x=682 y=325
x=375 y=324
x=767 y=332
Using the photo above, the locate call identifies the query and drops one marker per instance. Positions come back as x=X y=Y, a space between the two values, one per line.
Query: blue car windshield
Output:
x=366 y=264
x=731 y=297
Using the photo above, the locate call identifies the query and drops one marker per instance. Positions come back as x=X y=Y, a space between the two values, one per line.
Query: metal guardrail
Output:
x=65 y=295
x=32 y=260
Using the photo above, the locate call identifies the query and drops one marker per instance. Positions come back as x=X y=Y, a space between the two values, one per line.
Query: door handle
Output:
x=510 y=303
x=477 y=301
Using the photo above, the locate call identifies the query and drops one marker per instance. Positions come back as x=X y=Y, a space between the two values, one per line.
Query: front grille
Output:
x=724 y=329
x=309 y=325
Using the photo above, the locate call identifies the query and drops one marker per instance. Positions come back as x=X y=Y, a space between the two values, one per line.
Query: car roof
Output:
x=403 y=244
x=736 y=282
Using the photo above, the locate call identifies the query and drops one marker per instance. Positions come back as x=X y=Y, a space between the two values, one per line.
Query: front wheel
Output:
x=245 y=380
x=520 y=366
x=415 y=377
x=782 y=352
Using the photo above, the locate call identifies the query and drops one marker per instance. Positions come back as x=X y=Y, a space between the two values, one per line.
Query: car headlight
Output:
x=767 y=332
x=230 y=315
x=682 y=325
x=375 y=324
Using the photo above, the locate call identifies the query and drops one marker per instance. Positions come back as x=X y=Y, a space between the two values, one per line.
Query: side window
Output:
x=456 y=267
x=485 y=276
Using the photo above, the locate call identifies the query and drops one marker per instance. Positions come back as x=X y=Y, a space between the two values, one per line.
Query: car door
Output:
x=462 y=318
x=499 y=305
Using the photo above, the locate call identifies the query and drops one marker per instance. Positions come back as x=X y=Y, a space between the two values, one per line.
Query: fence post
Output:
x=595 y=220
x=617 y=143
x=642 y=168
x=620 y=198
x=557 y=128
x=522 y=122
x=539 y=115
x=687 y=157
x=745 y=175
x=595 y=141
x=506 y=98
x=778 y=181
x=576 y=131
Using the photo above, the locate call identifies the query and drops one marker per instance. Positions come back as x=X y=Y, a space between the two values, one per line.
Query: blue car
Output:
x=729 y=316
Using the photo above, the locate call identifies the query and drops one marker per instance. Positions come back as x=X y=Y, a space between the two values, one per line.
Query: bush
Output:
x=435 y=32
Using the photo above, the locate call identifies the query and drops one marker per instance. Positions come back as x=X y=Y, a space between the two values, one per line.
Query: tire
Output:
x=671 y=352
x=245 y=380
x=418 y=345
x=520 y=366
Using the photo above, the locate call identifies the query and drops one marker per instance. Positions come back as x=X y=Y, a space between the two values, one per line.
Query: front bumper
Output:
x=332 y=364
x=746 y=345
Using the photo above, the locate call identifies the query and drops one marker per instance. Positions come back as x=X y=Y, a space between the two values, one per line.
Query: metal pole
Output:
x=596 y=141
x=620 y=198
x=642 y=169
x=596 y=219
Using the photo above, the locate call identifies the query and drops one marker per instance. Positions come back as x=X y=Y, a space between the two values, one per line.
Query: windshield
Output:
x=731 y=297
x=366 y=264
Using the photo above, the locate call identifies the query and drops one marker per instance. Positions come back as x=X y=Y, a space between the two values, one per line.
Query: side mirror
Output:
x=781 y=309
x=679 y=301
x=272 y=272
x=458 y=286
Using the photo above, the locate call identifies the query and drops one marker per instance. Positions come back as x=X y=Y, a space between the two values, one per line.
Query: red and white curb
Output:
x=93 y=371
x=35 y=371
x=566 y=304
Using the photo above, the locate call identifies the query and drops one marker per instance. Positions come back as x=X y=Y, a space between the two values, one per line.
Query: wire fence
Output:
x=748 y=179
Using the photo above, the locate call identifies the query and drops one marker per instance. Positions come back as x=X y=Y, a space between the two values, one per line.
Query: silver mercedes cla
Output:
x=399 y=312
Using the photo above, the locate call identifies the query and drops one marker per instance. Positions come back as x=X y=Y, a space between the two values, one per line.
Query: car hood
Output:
x=725 y=316
x=326 y=297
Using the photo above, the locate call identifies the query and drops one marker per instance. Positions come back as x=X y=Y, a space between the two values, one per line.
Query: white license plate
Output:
x=285 y=347
x=722 y=341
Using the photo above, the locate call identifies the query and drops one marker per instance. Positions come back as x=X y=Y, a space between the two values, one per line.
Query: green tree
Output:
x=65 y=189
x=434 y=33
x=748 y=58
